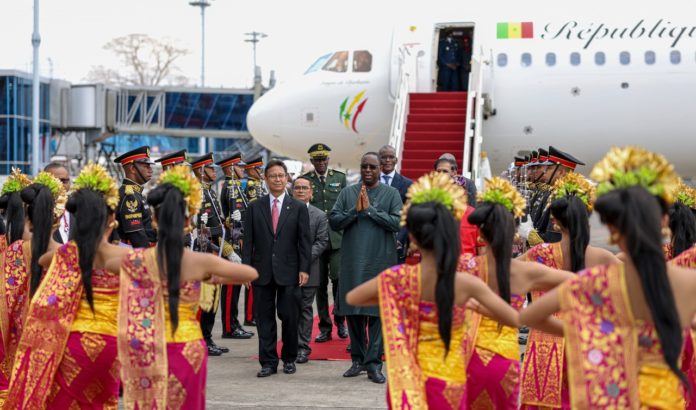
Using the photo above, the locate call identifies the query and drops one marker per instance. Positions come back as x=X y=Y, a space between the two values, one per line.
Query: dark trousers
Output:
x=229 y=303
x=329 y=266
x=306 y=321
x=366 y=340
x=207 y=323
x=287 y=301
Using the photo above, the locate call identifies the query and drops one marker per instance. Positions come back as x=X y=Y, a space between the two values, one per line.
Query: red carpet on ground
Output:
x=334 y=349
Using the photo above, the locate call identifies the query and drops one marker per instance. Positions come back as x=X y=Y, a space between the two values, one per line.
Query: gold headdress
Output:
x=633 y=166
x=576 y=185
x=181 y=178
x=436 y=187
x=501 y=191
x=686 y=195
x=95 y=177
x=57 y=191
x=16 y=182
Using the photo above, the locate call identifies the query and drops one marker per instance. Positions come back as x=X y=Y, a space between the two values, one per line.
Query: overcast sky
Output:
x=74 y=31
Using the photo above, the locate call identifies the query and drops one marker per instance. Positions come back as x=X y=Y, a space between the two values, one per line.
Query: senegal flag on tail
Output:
x=515 y=30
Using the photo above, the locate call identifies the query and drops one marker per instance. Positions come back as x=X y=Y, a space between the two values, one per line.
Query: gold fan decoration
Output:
x=181 y=178
x=686 y=195
x=634 y=166
x=96 y=178
x=436 y=187
x=16 y=182
x=576 y=185
x=501 y=191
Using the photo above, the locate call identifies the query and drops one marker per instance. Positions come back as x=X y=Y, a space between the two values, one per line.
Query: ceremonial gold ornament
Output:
x=666 y=232
x=634 y=166
x=113 y=224
x=576 y=185
x=501 y=191
x=181 y=178
x=686 y=195
x=57 y=189
x=96 y=178
x=436 y=187
x=16 y=182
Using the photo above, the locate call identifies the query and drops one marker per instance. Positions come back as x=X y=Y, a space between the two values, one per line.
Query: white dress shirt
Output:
x=280 y=202
x=390 y=175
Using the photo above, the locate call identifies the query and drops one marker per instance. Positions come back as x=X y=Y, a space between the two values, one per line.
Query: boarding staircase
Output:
x=426 y=125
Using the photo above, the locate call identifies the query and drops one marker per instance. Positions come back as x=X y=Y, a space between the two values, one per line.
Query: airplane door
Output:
x=451 y=56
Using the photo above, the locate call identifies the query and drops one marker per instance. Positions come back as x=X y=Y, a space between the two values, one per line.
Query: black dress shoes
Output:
x=376 y=376
x=220 y=348
x=249 y=323
x=323 y=337
x=289 y=368
x=302 y=357
x=266 y=371
x=214 y=351
x=238 y=333
x=354 y=370
x=342 y=331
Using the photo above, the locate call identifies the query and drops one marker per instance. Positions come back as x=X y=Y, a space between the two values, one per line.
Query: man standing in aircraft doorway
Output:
x=449 y=60
x=327 y=183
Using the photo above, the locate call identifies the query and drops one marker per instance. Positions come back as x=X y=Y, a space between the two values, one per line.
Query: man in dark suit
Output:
x=60 y=171
x=319 y=234
x=389 y=176
x=277 y=243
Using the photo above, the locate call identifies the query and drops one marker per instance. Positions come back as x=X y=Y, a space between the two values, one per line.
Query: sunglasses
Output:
x=368 y=166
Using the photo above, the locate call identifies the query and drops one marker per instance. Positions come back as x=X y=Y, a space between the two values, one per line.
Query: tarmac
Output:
x=318 y=384
x=232 y=381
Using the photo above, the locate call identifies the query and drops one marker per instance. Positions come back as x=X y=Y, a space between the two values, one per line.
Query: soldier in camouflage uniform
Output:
x=327 y=183
x=133 y=214
x=234 y=203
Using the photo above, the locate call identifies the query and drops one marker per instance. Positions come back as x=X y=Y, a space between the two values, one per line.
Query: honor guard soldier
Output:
x=210 y=234
x=133 y=214
x=170 y=160
x=327 y=183
x=254 y=187
x=233 y=203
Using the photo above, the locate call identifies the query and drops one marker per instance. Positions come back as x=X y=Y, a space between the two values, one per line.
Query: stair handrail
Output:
x=474 y=121
x=401 y=105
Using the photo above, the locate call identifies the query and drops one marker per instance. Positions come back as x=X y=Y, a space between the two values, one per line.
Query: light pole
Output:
x=203 y=4
x=35 y=88
x=255 y=37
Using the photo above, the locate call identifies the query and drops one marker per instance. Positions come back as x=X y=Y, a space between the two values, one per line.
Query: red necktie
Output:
x=275 y=213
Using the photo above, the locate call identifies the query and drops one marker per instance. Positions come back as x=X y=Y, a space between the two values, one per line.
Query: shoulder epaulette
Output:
x=128 y=189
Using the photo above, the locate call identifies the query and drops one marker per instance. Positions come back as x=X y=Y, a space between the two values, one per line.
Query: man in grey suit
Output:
x=319 y=233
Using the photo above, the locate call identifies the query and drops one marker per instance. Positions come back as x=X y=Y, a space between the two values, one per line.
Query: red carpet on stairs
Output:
x=334 y=349
x=435 y=125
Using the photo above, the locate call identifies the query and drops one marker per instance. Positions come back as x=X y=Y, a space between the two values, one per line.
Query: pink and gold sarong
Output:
x=493 y=373
x=14 y=294
x=687 y=259
x=544 y=384
x=420 y=375
x=614 y=361
x=160 y=369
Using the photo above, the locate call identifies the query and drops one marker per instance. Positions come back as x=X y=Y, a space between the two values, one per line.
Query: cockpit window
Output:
x=362 y=61
x=337 y=63
x=318 y=63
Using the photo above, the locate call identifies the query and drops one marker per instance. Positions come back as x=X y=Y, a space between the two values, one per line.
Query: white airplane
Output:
x=582 y=79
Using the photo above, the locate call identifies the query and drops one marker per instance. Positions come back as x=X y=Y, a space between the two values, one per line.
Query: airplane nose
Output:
x=263 y=119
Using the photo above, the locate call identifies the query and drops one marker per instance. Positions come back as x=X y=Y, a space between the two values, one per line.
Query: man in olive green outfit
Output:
x=327 y=183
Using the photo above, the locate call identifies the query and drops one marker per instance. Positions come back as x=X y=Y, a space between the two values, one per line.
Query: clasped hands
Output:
x=363 y=200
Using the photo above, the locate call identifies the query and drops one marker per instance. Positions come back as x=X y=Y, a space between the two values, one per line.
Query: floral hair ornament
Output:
x=16 y=182
x=501 y=191
x=181 y=178
x=436 y=187
x=634 y=166
x=686 y=195
x=96 y=178
x=573 y=184
x=57 y=191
